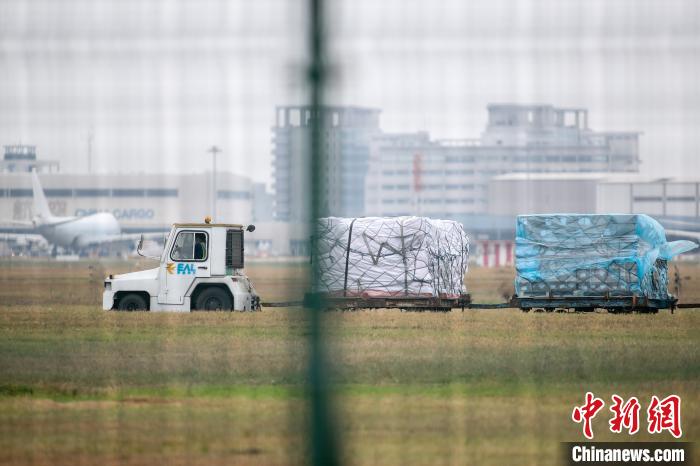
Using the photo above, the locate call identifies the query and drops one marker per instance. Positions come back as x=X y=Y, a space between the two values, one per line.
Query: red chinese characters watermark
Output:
x=662 y=415
x=587 y=412
x=665 y=415
x=625 y=415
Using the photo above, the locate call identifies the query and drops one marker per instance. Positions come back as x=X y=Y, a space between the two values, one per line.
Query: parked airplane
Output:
x=73 y=233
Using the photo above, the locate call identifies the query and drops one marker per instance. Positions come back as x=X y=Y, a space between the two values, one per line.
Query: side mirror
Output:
x=140 y=252
x=251 y=228
x=139 y=248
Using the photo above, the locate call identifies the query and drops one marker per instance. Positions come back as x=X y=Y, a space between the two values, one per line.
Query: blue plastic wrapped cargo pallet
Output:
x=593 y=255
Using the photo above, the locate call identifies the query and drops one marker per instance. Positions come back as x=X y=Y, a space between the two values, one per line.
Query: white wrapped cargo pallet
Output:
x=384 y=257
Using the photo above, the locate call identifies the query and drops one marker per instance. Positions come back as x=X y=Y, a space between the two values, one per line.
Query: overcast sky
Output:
x=157 y=82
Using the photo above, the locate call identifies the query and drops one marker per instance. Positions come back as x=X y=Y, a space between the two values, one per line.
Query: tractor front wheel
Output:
x=132 y=302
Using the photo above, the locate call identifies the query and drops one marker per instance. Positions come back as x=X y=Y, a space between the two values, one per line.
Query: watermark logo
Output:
x=665 y=415
x=586 y=412
x=625 y=415
x=662 y=415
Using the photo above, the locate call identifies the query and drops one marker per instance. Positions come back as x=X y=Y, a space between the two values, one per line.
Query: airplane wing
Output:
x=22 y=236
x=25 y=239
x=126 y=238
x=21 y=223
x=17 y=228
x=684 y=234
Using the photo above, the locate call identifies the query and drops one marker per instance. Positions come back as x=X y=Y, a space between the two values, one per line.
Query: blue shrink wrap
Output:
x=593 y=255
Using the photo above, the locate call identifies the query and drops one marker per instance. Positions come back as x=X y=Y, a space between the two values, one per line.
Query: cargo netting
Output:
x=593 y=255
x=384 y=257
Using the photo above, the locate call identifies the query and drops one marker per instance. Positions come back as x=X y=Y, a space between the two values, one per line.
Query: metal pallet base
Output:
x=591 y=303
x=407 y=303
x=614 y=304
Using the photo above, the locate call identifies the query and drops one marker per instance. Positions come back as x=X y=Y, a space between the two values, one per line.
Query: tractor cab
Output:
x=200 y=268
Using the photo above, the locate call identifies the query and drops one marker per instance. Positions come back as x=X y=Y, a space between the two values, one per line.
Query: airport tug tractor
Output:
x=201 y=268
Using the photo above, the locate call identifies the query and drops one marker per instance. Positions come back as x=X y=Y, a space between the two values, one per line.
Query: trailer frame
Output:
x=407 y=303
x=613 y=304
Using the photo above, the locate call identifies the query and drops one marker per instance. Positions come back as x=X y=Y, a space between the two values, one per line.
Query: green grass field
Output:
x=83 y=386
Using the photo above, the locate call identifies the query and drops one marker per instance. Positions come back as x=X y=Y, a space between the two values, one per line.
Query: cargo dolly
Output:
x=613 y=304
x=407 y=303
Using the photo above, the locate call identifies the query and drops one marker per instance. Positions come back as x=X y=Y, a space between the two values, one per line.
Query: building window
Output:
x=128 y=192
x=227 y=194
x=58 y=192
x=92 y=192
x=294 y=117
x=20 y=193
x=161 y=193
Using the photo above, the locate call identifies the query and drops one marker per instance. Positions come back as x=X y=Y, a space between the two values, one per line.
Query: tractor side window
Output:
x=183 y=249
x=190 y=246
x=200 y=246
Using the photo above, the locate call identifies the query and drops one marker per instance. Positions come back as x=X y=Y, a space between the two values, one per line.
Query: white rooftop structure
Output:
x=671 y=199
x=411 y=174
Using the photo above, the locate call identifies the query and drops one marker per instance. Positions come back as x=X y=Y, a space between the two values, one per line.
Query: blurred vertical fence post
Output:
x=322 y=438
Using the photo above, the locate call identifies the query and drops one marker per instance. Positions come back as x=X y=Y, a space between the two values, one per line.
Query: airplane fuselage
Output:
x=78 y=232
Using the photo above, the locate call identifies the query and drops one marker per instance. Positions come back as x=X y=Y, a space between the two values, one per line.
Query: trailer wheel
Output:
x=132 y=302
x=213 y=299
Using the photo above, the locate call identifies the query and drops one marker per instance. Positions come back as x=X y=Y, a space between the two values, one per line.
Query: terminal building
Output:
x=414 y=174
x=140 y=202
x=590 y=193
x=675 y=202
x=152 y=202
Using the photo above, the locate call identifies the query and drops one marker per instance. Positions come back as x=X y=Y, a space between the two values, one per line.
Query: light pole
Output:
x=213 y=151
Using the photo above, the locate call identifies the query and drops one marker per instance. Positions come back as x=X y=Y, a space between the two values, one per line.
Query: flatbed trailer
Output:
x=613 y=304
x=408 y=303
